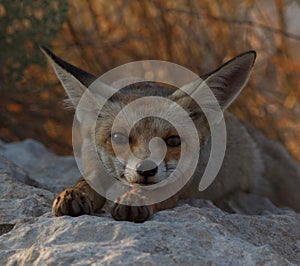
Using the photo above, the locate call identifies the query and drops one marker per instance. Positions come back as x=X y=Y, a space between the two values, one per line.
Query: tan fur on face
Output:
x=140 y=134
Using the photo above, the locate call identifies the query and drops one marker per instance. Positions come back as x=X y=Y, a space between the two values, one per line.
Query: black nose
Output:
x=146 y=168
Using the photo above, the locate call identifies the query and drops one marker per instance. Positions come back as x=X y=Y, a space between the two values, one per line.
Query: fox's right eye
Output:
x=119 y=138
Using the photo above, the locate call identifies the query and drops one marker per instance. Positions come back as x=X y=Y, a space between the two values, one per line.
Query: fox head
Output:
x=127 y=154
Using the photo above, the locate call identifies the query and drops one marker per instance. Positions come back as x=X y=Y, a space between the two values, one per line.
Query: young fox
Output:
x=252 y=163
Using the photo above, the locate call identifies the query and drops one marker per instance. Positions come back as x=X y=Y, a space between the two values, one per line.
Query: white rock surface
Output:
x=194 y=233
x=48 y=170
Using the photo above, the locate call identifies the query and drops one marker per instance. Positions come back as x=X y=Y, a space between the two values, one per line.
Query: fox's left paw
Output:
x=72 y=202
x=137 y=214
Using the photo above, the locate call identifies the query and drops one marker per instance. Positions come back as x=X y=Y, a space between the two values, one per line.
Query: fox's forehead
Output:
x=134 y=119
x=139 y=127
x=152 y=126
x=129 y=94
x=148 y=88
x=125 y=113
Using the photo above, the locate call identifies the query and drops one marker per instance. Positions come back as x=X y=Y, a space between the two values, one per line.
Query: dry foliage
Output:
x=200 y=35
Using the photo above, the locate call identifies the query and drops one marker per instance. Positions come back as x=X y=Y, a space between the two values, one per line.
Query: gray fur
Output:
x=252 y=163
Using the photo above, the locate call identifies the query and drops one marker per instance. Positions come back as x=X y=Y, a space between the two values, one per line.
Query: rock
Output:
x=194 y=233
x=48 y=170
x=18 y=200
x=4 y=228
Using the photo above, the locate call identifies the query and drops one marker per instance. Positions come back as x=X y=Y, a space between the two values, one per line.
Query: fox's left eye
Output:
x=173 y=141
x=119 y=138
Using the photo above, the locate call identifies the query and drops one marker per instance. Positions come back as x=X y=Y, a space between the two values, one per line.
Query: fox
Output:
x=252 y=162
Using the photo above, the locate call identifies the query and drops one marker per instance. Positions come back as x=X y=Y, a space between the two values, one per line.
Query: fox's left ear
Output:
x=225 y=83
x=74 y=80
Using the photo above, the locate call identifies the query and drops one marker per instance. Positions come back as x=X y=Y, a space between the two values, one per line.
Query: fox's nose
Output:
x=146 y=168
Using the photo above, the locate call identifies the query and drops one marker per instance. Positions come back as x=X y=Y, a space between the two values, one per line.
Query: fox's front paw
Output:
x=137 y=214
x=72 y=202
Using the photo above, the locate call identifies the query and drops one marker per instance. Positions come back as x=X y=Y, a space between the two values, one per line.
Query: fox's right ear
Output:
x=74 y=80
x=217 y=90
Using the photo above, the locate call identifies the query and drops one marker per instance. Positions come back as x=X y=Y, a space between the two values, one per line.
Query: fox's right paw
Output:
x=72 y=202
x=137 y=214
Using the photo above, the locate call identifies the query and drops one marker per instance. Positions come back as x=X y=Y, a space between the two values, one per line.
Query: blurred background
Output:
x=98 y=35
